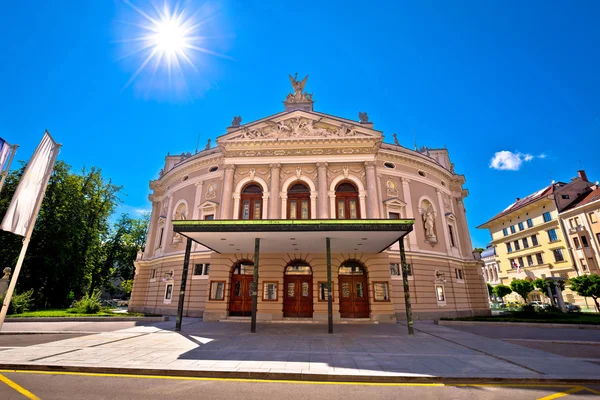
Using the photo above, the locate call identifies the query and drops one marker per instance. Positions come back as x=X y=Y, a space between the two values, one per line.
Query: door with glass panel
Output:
x=298 y=206
x=240 y=301
x=346 y=201
x=298 y=292
x=251 y=202
x=354 y=291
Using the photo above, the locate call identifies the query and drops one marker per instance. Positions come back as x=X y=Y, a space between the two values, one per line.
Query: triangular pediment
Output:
x=208 y=204
x=394 y=202
x=299 y=124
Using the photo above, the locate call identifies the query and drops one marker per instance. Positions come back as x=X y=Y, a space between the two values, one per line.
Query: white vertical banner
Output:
x=25 y=205
x=5 y=149
x=21 y=213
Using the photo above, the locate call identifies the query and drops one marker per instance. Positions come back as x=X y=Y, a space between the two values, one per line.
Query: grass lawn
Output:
x=547 y=318
x=70 y=313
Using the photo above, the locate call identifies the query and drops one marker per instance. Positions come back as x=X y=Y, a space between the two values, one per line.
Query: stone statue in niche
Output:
x=428 y=216
x=180 y=215
x=211 y=191
x=392 y=189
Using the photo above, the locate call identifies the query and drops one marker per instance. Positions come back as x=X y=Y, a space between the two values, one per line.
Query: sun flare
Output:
x=168 y=37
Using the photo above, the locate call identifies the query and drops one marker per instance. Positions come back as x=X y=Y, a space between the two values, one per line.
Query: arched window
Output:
x=251 y=202
x=298 y=202
x=346 y=201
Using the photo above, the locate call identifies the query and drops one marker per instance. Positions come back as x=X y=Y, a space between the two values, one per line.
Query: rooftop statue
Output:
x=363 y=117
x=237 y=121
x=298 y=96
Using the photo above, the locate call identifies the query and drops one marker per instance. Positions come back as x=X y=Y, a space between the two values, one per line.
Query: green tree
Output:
x=540 y=284
x=587 y=286
x=523 y=287
x=490 y=290
x=478 y=249
x=67 y=237
x=502 y=290
x=127 y=285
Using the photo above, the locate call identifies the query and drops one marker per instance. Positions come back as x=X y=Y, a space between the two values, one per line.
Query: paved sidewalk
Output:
x=301 y=351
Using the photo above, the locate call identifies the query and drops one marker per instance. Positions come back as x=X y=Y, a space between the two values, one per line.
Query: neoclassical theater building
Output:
x=303 y=169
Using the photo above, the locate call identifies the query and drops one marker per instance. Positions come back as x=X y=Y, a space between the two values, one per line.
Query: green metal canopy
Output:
x=280 y=236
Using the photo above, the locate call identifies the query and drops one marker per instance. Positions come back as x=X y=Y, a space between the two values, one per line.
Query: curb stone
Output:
x=87 y=319
x=294 y=376
x=528 y=324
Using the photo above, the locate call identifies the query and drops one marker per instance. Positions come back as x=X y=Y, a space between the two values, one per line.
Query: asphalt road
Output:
x=69 y=386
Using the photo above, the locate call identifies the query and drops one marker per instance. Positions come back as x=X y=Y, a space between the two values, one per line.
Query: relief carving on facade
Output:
x=299 y=152
x=298 y=127
x=252 y=173
x=447 y=203
x=286 y=172
x=345 y=170
x=211 y=191
x=391 y=188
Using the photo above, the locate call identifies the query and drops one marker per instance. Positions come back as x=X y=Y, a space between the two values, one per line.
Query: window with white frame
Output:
x=201 y=270
x=593 y=218
x=396 y=270
x=153 y=275
x=168 y=293
x=440 y=295
x=458 y=272
x=451 y=234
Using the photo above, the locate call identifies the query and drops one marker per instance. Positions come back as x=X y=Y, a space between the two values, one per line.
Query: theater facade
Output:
x=315 y=209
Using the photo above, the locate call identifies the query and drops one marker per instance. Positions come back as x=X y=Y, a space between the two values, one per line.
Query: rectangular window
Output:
x=583 y=264
x=303 y=209
x=529 y=261
x=572 y=223
x=547 y=216
x=206 y=269
x=512 y=229
x=209 y=217
x=508 y=247
x=293 y=209
x=324 y=292
x=593 y=218
x=584 y=241
x=521 y=263
x=246 y=209
x=552 y=236
x=517 y=245
x=539 y=258
x=353 y=209
x=512 y=262
x=168 y=293
x=381 y=291
x=529 y=223
x=341 y=209
x=409 y=271
x=576 y=221
x=459 y=273
x=505 y=231
x=576 y=243
x=534 y=240
x=270 y=291
x=558 y=255
x=393 y=215
x=217 y=290
x=521 y=226
x=198 y=269
x=598 y=237
x=439 y=291
x=153 y=274
x=525 y=243
x=160 y=238
x=451 y=232
x=395 y=269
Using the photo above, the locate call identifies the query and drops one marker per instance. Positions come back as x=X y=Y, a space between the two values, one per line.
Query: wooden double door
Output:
x=240 y=301
x=354 y=296
x=298 y=296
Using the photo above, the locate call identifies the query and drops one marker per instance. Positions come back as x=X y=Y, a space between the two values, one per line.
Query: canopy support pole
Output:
x=255 y=286
x=405 y=272
x=329 y=288
x=184 y=274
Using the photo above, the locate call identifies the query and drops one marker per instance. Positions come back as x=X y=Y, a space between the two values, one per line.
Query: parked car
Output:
x=572 y=307
x=537 y=304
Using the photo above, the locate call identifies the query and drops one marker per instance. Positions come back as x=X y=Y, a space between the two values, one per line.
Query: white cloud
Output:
x=141 y=211
x=508 y=161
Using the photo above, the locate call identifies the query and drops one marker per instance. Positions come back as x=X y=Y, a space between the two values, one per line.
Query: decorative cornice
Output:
x=179 y=171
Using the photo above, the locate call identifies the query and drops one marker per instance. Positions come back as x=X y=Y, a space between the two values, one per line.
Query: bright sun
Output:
x=168 y=37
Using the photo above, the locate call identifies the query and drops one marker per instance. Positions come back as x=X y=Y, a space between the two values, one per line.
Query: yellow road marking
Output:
x=19 y=388
x=565 y=393
x=407 y=384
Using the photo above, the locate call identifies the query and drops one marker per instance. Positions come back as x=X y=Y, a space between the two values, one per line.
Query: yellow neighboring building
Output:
x=529 y=238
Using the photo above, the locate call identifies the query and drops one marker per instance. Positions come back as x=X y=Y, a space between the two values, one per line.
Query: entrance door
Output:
x=240 y=301
x=298 y=293
x=354 y=295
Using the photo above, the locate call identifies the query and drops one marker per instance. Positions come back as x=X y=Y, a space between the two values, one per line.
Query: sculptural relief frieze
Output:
x=298 y=152
x=345 y=170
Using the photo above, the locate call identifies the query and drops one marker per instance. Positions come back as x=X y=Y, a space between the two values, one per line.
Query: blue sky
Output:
x=515 y=78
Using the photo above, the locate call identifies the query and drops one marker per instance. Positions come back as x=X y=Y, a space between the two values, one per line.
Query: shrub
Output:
x=20 y=302
x=89 y=304
x=522 y=287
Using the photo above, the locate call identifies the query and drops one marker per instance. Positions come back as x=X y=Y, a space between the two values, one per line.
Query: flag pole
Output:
x=15 y=275
x=5 y=172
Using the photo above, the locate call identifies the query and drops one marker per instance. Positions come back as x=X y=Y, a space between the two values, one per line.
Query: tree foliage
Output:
x=541 y=285
x=587 y=286
x=490 y=289
x=523 y=287
x=502 y=290
x=73 y=247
